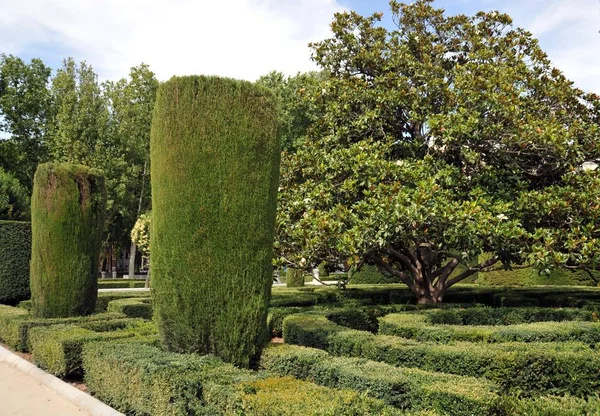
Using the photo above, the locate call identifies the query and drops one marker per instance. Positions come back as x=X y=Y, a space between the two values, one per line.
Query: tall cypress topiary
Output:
x=215 y=168
x=67 y=219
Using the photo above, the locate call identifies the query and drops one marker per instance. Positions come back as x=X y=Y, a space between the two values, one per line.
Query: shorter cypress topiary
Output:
x=67 y=217
x=15 y=252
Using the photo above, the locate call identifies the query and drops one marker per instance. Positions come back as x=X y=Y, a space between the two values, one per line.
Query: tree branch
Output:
x=402 y=276
x=402 y=259
x=472 y=270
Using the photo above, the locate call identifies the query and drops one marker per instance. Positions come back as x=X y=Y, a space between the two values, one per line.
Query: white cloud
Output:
x=236 y=38
x=568 y=33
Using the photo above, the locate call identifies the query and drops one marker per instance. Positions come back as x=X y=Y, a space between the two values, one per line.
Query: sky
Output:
x=248 y=38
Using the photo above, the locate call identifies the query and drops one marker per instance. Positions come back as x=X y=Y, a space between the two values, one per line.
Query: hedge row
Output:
x=369 y=295
x=15 y=324
x=400 y=387
x=15 y=253
x=411 y=325
x=57 y=348
x=554 y=368
x=104 y=298
x=132 y=307
x=141 y=379
x=506 y=316
x=121 y=284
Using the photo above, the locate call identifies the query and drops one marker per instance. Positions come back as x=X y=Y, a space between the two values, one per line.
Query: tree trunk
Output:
x=131 y=267
x=430 y=298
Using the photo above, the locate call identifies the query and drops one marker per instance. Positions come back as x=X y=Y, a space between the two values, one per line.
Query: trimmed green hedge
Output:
x=306 y=296
x=506 y=316
x=15 y=253
x=215 y=170
x=67 y=222
x=413 y=325
x=104 y=298
x=15 y=324
x=57 y=348
x=132 y=307
x=370 y=275
x=400 y=387
x=553 y=368
x=551 y=406
x=121 y=284
x=140 y=379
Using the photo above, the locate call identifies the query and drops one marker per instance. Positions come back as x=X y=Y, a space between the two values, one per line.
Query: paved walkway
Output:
x=21 y=395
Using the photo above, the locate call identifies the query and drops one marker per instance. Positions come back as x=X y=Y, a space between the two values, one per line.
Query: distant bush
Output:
x=370 y=275
x=15 y=254
x=132 y=307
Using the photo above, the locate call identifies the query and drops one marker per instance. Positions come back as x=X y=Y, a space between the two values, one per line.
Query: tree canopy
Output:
x=438 y=141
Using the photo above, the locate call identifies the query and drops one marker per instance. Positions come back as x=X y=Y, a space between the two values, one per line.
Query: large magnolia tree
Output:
x=439 y=141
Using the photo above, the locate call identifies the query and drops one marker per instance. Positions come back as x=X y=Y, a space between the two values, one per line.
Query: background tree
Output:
x=294 y=113
x=25 y=111
x=14 y=198
x=131 y=102
x=108 y=127
x=441 y=140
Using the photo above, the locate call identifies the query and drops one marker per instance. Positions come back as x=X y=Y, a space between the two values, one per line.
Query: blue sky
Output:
x=247 y=38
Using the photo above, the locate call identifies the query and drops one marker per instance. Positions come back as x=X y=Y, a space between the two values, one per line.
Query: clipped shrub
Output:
x=551 y=368
x=132 y=307
x=15 y=253
x=140 y=379
x=305 y=296
x=216 y=140
x=15 y=324
x=400 y=387
x=371 y=275
x=277 y=396
x=121 y=284
x=294 y=277
x=411 y=325
x=551 y=406
x=57 y=348
x=104 y=298
x=67 y=219
x=506 y=316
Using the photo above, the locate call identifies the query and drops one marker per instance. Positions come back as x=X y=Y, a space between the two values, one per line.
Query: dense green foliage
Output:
x=25 y=117
x=414 y=326
x=294 y=277
x=437 y=141
x=133 y=307
x=140 y=379
x=15 y=253
x=72 y=117
x=294 y=116
x=57 y=348
x=400 y=387
x=215 y=169
x=15 y=324
x=553 y=368
x=68 y=207
x=14 y=198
